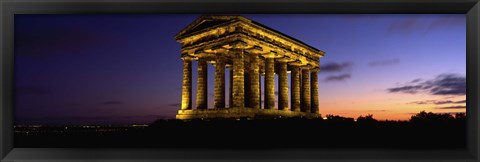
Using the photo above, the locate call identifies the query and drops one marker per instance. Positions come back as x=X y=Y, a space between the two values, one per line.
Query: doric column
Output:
x=247 y=84
x=282 y=86
x=269 y=83
x=295 y=84
x=306 y=102
x=238 y=78
x=314 y=89
x=219 y=92
x=202 y=85
x=187 y=84
x=230 y=96
x=254 y=82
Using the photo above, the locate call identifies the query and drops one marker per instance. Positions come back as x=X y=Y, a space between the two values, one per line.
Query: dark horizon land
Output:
x=126 y=69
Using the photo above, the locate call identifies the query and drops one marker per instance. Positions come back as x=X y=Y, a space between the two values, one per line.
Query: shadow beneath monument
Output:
x=262 y=133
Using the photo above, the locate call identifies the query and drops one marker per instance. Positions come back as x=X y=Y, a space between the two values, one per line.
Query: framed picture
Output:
x=250 y=80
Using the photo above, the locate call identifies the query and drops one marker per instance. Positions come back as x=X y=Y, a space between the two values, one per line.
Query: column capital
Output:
x=306 y=67
x=285 y=59
x=187 y=58
x=315 y=69
x=219 y=59
x=272 y=54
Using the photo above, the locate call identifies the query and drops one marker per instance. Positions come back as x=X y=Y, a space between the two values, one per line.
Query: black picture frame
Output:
x=8 y=8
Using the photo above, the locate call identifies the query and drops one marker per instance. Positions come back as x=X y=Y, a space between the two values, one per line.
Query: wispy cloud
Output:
x=444 y=84
x=377 y=110
x=341 y=77
x=452 y=107
x=335 y=67
x=175 y=104
x=437 y=102
x=384 y=62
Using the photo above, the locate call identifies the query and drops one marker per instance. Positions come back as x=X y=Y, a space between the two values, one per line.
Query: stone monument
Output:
x=248 y=50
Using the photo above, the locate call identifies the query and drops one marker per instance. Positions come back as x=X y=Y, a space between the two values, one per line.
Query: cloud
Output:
x=384 y=62
x=416 y=80
x=411 y=89
x=444 y=84
x=175 y=104
x=452 y=107
x=337 y=77
x=335 y=67
x=113 y=103
x=436 y=102
x=377 y=110
x=452 y=113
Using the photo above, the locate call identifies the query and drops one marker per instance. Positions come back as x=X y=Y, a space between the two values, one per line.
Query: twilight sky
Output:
x=125 y=69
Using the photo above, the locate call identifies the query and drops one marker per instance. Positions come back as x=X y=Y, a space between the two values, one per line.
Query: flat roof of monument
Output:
x=200 y=24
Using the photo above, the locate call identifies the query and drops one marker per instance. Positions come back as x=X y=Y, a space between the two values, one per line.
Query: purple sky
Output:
x=123 y=69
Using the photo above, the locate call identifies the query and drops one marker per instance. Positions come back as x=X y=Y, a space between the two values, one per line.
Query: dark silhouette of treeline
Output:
x=424 y=130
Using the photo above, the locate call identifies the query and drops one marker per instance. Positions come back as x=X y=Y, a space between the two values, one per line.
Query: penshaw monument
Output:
x=249 y=50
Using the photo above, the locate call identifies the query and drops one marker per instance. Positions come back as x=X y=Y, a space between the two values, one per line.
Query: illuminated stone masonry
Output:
x=249 y=50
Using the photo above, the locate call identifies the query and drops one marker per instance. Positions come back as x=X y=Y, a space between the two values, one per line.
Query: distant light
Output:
x=325 y=118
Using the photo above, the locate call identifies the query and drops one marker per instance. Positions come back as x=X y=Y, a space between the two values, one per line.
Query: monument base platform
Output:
x=238 y=113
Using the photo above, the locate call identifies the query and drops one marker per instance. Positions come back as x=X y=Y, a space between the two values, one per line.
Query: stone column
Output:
x=314 y=89
x=269 y=83
x=295 y=84
x=187 y=84
x=238 y=91
x=306 y=102
x=219 y=92
x=282 y=86
x=254 y=82
x=230 y=98
x=247 y=84
x=202 y=85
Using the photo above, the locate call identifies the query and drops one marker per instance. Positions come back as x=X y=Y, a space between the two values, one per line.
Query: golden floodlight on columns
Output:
x=306 y=89
x=248 y=49
x=254 y=76
x=219 y=92
x=314 y=89
x=187 y=83
x=283 y=82
x=238 y=91
x=269 y=80
x=202 y=78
